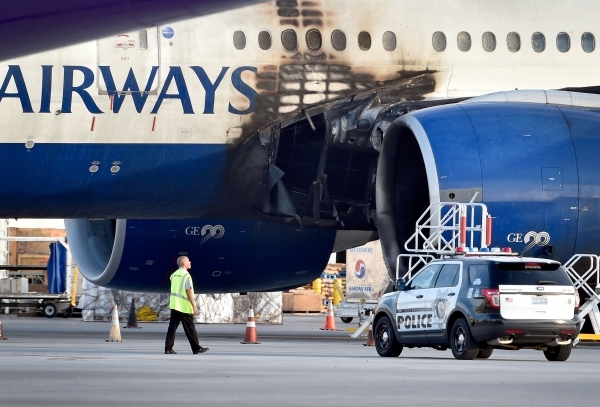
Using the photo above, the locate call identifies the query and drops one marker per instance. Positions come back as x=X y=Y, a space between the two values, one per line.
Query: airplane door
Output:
x=441 y=300
x=138 y=51
x=411 y=306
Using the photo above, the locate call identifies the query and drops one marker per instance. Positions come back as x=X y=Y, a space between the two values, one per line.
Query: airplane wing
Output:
x=32 y=26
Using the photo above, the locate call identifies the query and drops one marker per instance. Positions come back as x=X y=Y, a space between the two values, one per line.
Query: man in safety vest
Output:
x=183 y=308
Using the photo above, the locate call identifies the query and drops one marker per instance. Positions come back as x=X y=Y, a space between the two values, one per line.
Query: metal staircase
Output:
x=446 y=228
x=589 y=266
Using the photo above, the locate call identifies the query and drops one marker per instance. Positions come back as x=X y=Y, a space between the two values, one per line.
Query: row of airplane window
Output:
x=513 y=41
x=314 y=41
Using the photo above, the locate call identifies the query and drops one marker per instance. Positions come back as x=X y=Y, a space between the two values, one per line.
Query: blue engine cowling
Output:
x=536 y=167
x=227 y=255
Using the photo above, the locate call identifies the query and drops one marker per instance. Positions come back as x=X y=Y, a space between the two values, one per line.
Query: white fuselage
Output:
x=187 y=103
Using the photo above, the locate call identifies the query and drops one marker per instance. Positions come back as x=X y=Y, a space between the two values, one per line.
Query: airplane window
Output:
x=439 y=41
x=364 y=41
x=588 y=42
x=464 y=41
x=338 y=40
x=264 y=40
x=563 y=42
x=313 y=40
x=389 y=41
x=489 y=41
x=239 y=40
x=513 y=42
x=538 y=42
x=289 y=40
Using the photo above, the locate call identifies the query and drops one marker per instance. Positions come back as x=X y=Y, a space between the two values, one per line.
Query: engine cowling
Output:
x=227 y=255
x=534 y=165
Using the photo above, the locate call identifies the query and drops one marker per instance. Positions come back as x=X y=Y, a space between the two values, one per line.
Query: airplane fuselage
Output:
x=270 y=119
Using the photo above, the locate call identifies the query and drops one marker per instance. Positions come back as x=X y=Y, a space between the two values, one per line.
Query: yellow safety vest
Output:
x=179 y=300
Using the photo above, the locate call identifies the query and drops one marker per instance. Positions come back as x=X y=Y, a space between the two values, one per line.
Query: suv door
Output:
x=411 y=313
x=441 y=299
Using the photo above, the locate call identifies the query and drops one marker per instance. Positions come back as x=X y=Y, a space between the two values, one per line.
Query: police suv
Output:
x=475 y=304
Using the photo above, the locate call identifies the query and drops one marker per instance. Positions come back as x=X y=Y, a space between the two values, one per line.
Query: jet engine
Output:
x=530 y=156
x=227 y=255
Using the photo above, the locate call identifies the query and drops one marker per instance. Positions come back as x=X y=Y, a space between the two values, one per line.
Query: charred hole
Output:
x=325 y=178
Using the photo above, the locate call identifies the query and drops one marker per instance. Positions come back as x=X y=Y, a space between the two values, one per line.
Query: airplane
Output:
x=258 y=141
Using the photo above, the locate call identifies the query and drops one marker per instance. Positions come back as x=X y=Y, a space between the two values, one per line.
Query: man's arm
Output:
x=190 y=295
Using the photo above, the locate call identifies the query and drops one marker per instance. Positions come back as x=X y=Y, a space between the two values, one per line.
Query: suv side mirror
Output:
x=400 y=285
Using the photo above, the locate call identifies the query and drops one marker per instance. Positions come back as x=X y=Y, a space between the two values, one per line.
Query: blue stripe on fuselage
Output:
x=151 y=181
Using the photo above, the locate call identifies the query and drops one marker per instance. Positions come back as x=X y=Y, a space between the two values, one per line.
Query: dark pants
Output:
x=187 y=320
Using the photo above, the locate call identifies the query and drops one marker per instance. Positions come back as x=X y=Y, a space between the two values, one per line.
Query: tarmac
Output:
x=66 y=362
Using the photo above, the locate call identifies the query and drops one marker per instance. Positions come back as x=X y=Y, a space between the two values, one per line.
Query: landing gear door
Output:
x=441 y=298
x=411 y=312
x=136 y=51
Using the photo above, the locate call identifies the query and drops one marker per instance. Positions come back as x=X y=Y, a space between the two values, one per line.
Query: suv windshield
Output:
x=517 y=273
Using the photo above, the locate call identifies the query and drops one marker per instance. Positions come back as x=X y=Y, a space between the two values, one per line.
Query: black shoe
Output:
x=202 y=350
x=170 y=352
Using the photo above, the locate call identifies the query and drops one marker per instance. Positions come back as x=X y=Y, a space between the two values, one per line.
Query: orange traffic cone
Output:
x=115 y=331
x=329 y=319
x=250 y=336
x=2 y=338
x=370 y=339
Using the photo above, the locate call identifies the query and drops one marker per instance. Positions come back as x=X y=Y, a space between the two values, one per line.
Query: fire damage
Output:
x=317 y=167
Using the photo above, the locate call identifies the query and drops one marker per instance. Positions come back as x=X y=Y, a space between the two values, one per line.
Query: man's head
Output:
x=184 y=263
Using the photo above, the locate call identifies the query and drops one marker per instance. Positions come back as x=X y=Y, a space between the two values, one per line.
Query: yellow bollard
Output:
x=317 y=286
x=337 y=296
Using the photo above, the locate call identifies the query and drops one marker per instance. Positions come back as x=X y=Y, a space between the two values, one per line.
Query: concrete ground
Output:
x=66 y=362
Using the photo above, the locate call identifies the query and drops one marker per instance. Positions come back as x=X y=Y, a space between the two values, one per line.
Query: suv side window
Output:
x=448 y=276
x=479 y=274
x=424 y=278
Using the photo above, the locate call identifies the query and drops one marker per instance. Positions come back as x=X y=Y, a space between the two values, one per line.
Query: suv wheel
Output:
x=462 y=343
x=385 y=340
x=484 y=353
x=558 y=353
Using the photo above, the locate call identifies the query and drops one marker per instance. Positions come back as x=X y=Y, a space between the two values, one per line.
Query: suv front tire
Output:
x=385 y=339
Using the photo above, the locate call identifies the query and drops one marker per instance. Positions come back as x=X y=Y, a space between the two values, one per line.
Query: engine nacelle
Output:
x=536 y=166
x=227 y=255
